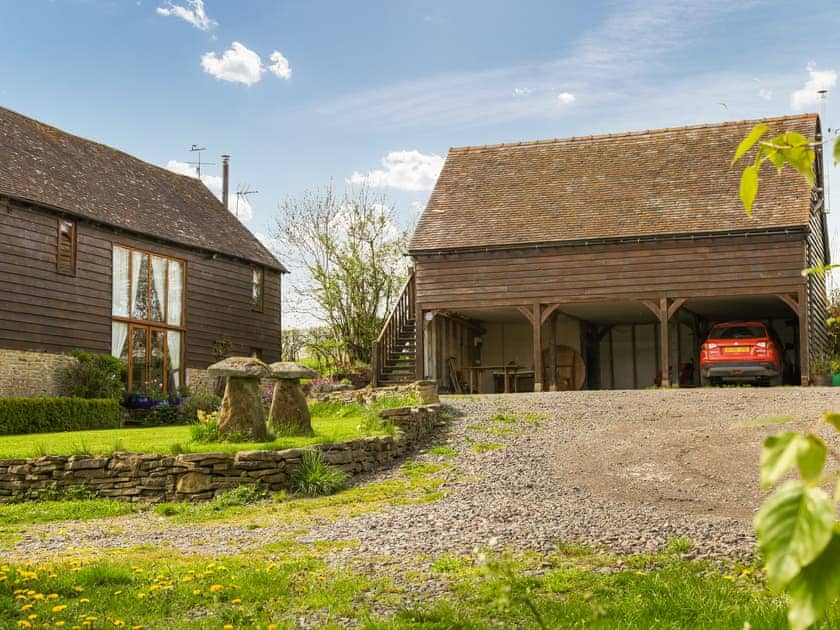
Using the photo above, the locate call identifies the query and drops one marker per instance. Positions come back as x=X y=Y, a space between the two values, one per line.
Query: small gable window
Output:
x=66 y=254
x=256 y=289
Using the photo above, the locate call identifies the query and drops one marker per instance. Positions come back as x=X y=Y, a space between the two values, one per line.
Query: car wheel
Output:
x=775 y=381
x=705 y=381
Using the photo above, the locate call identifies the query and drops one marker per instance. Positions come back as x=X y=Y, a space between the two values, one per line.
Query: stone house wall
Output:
x=146 y=477
x=25 y=374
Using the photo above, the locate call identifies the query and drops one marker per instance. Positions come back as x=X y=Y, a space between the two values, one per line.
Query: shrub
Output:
x=43 y=415
x=207 y=428
x=313 y=477
x=93 y=376
x=200 y=400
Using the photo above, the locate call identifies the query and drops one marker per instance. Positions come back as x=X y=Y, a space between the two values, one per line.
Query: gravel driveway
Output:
x=627 y=470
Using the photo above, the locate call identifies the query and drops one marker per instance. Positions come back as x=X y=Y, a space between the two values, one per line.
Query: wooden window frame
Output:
x=258 y=307
x=71 y=269
x=152 y=325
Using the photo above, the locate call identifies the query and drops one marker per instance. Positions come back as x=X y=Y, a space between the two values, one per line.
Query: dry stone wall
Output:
x=200 y=476
x=25 y=374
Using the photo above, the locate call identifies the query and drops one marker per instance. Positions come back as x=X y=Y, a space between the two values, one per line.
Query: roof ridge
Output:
x=628 y=134
x=97 y=143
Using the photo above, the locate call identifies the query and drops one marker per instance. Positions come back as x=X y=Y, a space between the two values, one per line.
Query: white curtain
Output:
x=119 y=289
x=175 y=299
x=119 y=334
x=173 y=341
x=158 y=294
x=138 y=301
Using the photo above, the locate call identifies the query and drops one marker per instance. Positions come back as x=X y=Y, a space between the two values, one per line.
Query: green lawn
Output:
x=331 y=423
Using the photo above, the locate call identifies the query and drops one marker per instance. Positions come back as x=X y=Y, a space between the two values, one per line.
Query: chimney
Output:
x=225 y=179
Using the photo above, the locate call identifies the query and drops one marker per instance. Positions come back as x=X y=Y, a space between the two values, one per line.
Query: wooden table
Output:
x=475 y=374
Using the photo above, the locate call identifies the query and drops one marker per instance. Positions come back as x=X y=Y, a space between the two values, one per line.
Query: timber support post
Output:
x=536 y=322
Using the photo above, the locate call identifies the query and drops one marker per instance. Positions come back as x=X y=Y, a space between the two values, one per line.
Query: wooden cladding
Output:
x=66 y=247
x=757 y=264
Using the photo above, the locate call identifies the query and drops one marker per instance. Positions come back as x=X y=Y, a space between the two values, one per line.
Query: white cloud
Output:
x=404 y=170
x=566 y=98
x=214 y=183
x=237 y=64
x=522 y=91
x=280 y=68
x=817 y=80
x=765 y=94
x=192 y=13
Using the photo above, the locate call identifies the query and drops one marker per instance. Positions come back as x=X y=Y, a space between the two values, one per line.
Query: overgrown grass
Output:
x=287 y=582
x=331 y=422
x=28 y=512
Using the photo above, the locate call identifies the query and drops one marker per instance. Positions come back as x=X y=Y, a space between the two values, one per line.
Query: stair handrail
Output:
x=402 y=310
x=406 y=295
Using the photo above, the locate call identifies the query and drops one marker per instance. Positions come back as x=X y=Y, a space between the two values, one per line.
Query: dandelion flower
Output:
x=215 y=588
x=59 y=608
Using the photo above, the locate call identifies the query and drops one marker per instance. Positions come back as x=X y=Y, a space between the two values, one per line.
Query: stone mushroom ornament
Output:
x=289 y=413
x=242 y=410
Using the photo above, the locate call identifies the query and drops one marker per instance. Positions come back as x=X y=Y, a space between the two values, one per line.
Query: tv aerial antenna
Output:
x=242 y=193
x=197 y=149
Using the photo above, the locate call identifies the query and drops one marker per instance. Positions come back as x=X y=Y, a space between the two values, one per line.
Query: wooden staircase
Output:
x=395 y=350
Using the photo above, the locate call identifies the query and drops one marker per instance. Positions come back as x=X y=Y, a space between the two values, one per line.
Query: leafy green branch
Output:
x=796 y=527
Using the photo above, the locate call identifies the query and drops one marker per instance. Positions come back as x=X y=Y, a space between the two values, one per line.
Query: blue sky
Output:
x=300 y=93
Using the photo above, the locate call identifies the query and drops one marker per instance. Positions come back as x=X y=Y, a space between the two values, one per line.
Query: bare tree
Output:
x=348 y=258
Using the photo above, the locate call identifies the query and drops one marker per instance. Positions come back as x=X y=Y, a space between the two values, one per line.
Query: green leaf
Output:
x=816 y=587
x=833 y=419
x=747 y=143
x=772 y=154
x=792 y=527
x=749 y=188
x=811 y=460
x=784 y=451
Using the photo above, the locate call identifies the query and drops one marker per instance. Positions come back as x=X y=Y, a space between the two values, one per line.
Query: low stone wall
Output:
x=25 y=374
x=200 y=476
x=426 y=391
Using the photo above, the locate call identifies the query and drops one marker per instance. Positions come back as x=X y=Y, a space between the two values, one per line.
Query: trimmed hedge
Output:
x=46 y=415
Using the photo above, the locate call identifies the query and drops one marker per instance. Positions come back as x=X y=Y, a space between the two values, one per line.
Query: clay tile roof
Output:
x=44 y=165
x=637 y=184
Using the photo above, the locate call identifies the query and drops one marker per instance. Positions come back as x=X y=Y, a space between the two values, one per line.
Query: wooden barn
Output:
x=602 y=261
x=104 y=252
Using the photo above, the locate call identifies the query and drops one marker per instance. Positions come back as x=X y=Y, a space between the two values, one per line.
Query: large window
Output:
x=147 y=309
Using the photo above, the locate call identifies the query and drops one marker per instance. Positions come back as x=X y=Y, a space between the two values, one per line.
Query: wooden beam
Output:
x=804 y=341
x=536 y=323
x=550 y=310
x=675 y=306
x=653 y=306
x=527 y=313
x=419 y=348
x=552 y=382
x=664 y=346
x=790 y=300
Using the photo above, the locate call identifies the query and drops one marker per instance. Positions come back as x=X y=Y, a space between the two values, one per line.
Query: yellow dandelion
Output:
x=272 y=626
x=228 y=626
x=117 y=593
x=84 y=600
x=90 y=618
x=728 y=577
x=59 y=624
x=187 y=578
x=236 y=601
x=59 y=608
x=32 y=617
x=197 y=591
x=154 y=587
x=119 y=623
x=26 y=607
x=52 y=596
x=141 y=595
x=23 y=623
x=39 y=596
x=79 y=589
x=3 y=578
x=215 y=588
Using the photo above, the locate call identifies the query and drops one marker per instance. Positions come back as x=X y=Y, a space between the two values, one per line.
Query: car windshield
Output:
x=737 y=332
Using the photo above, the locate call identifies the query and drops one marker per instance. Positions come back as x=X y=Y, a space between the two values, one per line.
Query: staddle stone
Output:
x=289 y=413
x=242 y=410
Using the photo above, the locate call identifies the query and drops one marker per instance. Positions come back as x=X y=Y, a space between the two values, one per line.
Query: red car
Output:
x=741 y=352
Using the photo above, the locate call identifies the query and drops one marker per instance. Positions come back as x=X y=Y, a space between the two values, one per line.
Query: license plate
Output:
x=734 y=349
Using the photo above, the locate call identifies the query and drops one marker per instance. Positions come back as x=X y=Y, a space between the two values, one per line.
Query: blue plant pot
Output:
x=160 y=403
x=139 y=402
